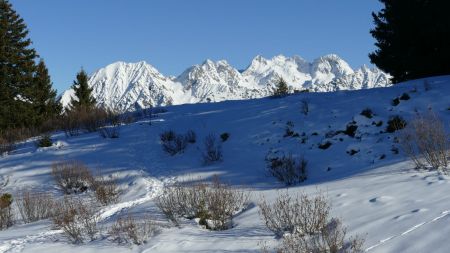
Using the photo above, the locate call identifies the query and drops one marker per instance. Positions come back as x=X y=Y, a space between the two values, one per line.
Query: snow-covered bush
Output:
x=77 y=219
x=304 y=225
x=131 y=230
x=72 y=176
x=106 y=190
x=34 y=206
x=213 y=204
x=426 y=142
x=395 y=123
x=286 y=168
x=212 y=149
x=173 y=143
x=331 y=239
x=6 y=213
x=295 y=214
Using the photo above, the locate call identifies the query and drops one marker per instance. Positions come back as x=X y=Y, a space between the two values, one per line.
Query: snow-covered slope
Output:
x=127 y=86
x=375 y=191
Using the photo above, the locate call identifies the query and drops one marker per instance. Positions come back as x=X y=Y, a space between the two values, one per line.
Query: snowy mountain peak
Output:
x=126 y=86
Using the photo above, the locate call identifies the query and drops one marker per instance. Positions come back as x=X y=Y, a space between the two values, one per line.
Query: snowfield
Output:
x=376 y=191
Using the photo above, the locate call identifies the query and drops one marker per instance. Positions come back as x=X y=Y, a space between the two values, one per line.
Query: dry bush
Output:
x=128 y=229
x=88 y=119
x=35 y=206
x=213 y=204
x=44 y=141
x=212 y=149
x=426 y=142
x=106 y=190
x=287 y=169
x=173 y=143
x=395 y=123
x=331 y=239
x=9 y=137
x=305 y=226
x=301 y=214
x=111 y=125
x=76 y=218
x=72 y=176
x=6 y=212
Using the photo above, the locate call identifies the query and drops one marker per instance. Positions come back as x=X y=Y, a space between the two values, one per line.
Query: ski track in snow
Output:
x=383 y=241
x=154 y=187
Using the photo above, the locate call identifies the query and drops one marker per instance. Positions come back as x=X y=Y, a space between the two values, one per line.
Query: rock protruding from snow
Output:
x=128 y=86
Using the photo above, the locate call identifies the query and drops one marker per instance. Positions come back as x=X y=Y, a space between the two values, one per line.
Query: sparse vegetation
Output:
x=426 y=142
x=305 y=226
x=106 y=190
x=111 y=125
x=405 y=96
x=287 y=169
x=304 y=107
x=350 y=129
x=213 y=204
x=6 y=212
x=72 y=177
x=212 y=149
x=44 y=141
x=129 y=229
x=191 y=137
x=325 y=145
x=395 y=123
x=395 y=102
x=77 y=219
x=34 y=206
x=367 y=113
x=173 y=143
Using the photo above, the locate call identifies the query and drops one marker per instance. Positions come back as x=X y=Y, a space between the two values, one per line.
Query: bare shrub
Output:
x=34 y=206
x=426 y=142
x=72 y=176
x=128 y=229
x=304 y=107
x=6 y=145
x=305 y=226
x=77 y=219
x=287 y=169
x=88 y=119
x=190 y=136
x=111 y=125
x=300 y=214
x=6 y=213
x=212 y=149
x=395 y=123
x=367 y=112
x=331 y=239
x=213 y=204
x=106 y=190
x=173 y=143
x=70 y=123
x=44 y=141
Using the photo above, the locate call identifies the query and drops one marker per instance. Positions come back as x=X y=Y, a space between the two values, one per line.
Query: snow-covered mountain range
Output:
x=128 y=86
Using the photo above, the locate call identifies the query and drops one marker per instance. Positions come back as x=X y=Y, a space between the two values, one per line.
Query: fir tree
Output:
x=281 y=89
x=82 y=92
x=413 y=38
x=44 y=98
x=17 y=66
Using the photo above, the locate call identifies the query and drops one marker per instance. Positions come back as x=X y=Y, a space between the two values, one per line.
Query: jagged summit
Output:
x=126 y=86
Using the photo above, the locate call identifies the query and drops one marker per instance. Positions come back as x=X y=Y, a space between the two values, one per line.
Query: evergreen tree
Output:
x=281 y=89
x=44 y=98
x=82 y=92
x=17 y=65
x=413 y=38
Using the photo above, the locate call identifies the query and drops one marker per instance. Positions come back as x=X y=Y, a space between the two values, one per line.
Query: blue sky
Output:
x=173 y=35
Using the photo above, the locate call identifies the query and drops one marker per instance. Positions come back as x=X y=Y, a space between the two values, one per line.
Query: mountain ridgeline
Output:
x=129 y=86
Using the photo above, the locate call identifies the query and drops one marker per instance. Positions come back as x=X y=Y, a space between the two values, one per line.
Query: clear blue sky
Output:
x=173 y=35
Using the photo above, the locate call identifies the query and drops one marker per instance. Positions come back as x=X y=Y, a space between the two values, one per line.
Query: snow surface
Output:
x=126 y=86
x=398 y=208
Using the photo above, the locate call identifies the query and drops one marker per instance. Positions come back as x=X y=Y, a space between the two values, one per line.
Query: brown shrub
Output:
x=173 y=143
x=106 y=190
x=72 y=176
x=35 y=206
x=128 y=229
x=426 y=142
x=6 y=212
x=212 y=149
x=214 y=204
x=287 y=169
x=76 y=218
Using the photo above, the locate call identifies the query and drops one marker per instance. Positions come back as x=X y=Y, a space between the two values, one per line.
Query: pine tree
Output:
x=83 y=93
x=44 y=98
x=413 y=38
x=281 y=89
x=17 y=65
